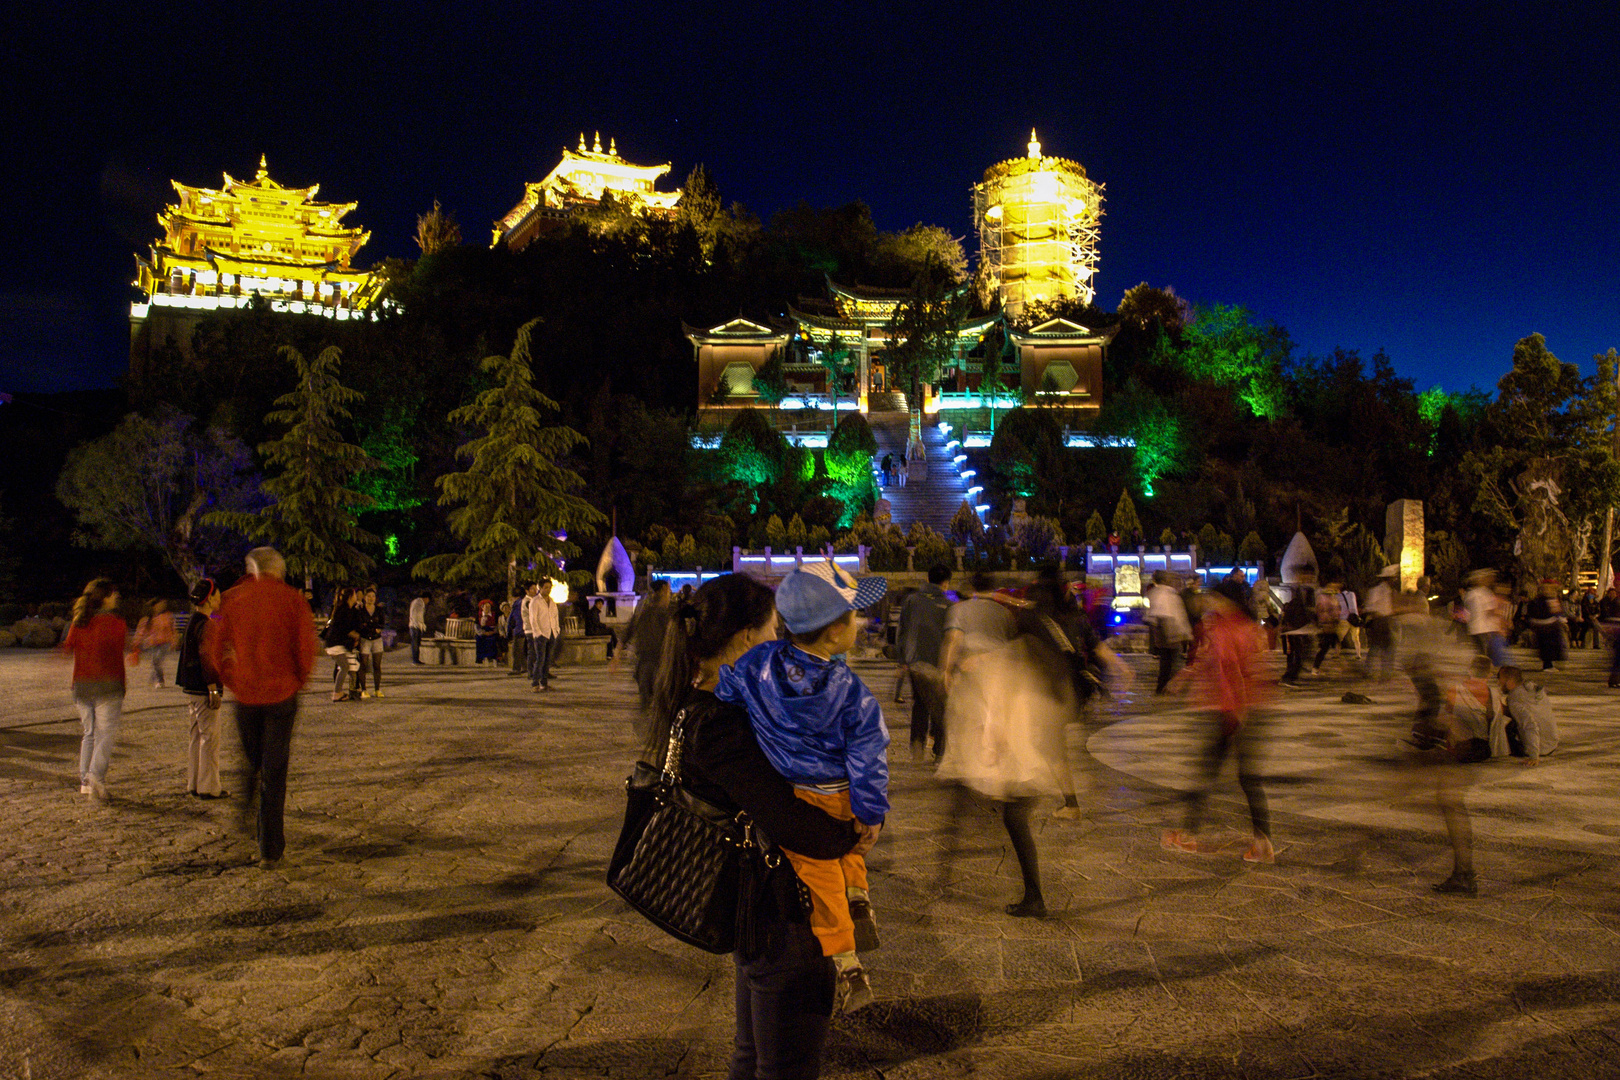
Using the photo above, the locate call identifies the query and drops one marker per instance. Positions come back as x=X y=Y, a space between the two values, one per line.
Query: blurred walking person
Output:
x=1226 y=676
x=263 y=646
x=418 y=625
x=1380 y=609
x=204 y=694
x=1547 y=618
x=1168 y=627
x=645 y=635
x=517 y=636
x=922 y=635
x=95 y=638
x=155 y=636
x=1008 y=699
x=1438 y=743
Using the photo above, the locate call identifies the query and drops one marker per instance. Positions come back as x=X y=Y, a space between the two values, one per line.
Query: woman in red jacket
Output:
x=96 y=640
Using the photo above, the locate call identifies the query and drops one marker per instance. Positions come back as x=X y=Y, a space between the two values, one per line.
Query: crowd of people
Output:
x=781 y=729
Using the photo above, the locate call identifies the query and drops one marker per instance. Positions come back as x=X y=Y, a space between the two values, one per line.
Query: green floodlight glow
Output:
x=391 y=548
x=1147 y=491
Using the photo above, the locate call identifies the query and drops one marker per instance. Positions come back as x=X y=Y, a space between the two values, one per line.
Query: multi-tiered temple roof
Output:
x=221 y=246
x=580 y=180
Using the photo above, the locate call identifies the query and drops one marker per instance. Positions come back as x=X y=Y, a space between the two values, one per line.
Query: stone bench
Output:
x=451 y=650
x=580 y=651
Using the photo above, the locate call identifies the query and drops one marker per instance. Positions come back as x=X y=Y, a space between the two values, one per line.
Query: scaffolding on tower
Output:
x=1038 y=224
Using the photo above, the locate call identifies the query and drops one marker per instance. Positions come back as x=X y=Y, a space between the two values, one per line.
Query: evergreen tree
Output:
x=515 y=497
x=312 y=521
x=1126 y=523
x=1096 y=529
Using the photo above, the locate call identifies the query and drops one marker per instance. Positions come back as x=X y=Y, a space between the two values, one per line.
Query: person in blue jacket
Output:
x=822 y=729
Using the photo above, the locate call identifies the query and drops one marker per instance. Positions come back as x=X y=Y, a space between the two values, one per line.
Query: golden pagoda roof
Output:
x=1062 y=331
x=584 y=176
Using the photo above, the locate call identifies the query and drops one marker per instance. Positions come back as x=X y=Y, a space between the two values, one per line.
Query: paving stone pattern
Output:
x=441 y=911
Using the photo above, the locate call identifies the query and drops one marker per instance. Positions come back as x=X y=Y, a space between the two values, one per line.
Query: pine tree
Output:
x=1096 y=529
x=515 y=497
x=1126 y=523
x=312 y=521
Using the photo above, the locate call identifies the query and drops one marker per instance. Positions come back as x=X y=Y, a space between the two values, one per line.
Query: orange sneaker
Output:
x=1176 y=840
x=1260 y=851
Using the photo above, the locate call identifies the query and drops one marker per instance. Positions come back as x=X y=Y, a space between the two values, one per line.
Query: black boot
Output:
x=1459 y=884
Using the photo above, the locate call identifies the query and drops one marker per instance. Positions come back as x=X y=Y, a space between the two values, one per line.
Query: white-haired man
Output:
x=263 y=646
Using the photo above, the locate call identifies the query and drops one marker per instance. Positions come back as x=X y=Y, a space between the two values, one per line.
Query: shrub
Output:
x=796 y=532
x=1167 y=539
x=966 y=528
x=817 y=538
x=1096 y=529
x=932 y=549
x=1126 y=523
x=824 y=512
x=1038 y=538
x=1253 y=549
x=775 y=533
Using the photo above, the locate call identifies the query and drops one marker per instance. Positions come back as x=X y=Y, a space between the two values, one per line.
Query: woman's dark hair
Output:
x=88 y=605
x=724 y=607
x=981 y=582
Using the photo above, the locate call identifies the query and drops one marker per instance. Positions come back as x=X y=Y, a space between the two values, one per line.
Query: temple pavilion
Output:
x=222 y=247
x=580 y=180
x=1060 y=361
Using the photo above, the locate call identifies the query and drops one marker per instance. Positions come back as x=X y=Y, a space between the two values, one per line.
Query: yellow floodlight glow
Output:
x=559 y=591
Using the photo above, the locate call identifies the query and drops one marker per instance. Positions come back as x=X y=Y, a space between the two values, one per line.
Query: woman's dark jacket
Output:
x=344 y=619
x=724 y=765
x=369 y=623
x=192 y=674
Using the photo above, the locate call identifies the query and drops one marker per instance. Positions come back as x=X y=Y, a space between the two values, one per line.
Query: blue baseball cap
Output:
x=819 y=594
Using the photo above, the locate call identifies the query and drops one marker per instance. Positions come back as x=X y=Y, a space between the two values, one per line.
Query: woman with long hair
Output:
x=204 y=691
x=342 y=639
x=96 y=640
x=785 y=988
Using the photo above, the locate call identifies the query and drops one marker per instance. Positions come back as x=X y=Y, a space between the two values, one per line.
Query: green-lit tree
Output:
x=313 y=521
x=923 y=329
x=515 y=503
x=838 y=360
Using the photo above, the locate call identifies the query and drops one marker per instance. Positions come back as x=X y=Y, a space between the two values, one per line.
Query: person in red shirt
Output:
x=263 y=646
x=1229 y=686
x=96 y=640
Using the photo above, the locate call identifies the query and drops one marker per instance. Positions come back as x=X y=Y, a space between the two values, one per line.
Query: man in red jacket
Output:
x=263 y=645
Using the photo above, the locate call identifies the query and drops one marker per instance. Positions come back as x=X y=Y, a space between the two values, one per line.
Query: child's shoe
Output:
x=853 y=990
x=860 y=912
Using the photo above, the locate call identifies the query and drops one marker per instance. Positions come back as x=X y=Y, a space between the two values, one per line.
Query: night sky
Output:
x=1429 y=179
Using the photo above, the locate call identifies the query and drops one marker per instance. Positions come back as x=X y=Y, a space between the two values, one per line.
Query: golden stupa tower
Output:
x=1037 y=219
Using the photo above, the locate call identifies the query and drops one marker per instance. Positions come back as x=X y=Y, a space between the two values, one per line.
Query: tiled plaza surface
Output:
x=441 y=911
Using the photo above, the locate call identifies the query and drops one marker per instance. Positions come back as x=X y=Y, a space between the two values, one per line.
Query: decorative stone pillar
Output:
x=1403 y=540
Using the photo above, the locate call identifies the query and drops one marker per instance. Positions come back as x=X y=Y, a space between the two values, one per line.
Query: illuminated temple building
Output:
x=1037 y=219
x=580 y=180
x=223 y=247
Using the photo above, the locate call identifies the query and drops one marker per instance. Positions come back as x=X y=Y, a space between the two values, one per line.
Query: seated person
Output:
x=1532 y=730
x=595 y=628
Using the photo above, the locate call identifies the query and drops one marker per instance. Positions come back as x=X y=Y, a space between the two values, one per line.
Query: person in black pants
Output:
x=786 y=987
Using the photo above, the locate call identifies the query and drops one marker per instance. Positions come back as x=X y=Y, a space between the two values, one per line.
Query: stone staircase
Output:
x=935 y=500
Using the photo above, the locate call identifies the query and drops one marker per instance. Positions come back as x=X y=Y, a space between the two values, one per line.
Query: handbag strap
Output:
x=677 y=743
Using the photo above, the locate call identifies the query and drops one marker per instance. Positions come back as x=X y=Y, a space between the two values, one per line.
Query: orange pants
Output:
x=828 y=878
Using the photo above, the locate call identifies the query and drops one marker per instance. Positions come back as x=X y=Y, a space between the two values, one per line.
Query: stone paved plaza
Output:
x=441 y=912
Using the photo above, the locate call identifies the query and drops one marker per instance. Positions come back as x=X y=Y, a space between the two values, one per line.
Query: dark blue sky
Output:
x=1435 y=179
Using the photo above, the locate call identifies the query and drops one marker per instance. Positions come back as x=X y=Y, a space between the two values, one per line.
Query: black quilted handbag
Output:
x=691 y=868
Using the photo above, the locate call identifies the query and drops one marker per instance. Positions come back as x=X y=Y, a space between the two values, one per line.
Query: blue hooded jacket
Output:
x=815 y=720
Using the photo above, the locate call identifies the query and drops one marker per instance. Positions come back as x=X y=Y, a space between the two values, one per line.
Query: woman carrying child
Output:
x=785 y=985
